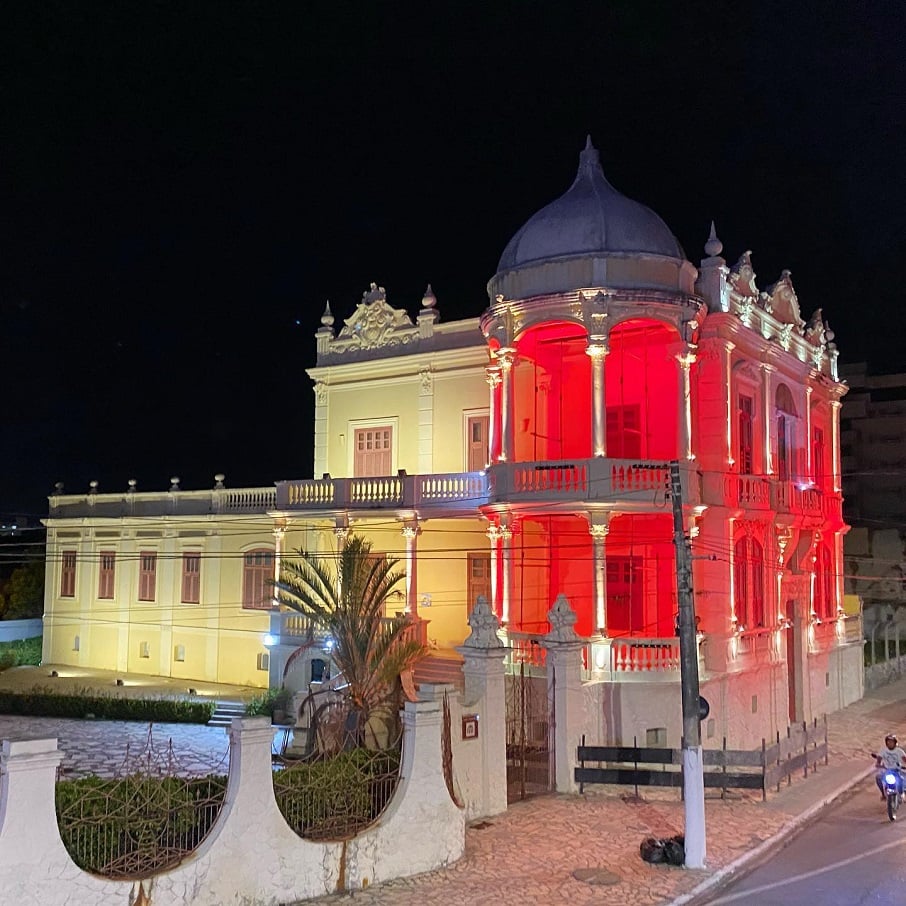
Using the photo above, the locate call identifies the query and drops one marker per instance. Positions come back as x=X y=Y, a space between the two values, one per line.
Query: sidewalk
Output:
x=585 y=849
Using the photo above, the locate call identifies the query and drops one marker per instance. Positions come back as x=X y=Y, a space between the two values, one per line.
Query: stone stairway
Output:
x=438 y=667
x=225 y=711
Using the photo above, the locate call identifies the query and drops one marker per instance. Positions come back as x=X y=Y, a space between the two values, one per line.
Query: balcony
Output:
x=633 y=485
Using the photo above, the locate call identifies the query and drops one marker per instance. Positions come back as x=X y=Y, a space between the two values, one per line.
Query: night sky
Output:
x=182 y=186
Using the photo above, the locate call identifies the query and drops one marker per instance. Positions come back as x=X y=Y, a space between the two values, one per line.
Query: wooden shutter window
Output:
x=147 y=575
x=106 y=574
x=257 y=575
x=191 y=578
x=67 y=575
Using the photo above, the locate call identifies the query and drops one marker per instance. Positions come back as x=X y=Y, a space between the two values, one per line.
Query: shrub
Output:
x=339 y=796
x=44 y=702
x=136 y=824
x=21 y=653
x=266 y=703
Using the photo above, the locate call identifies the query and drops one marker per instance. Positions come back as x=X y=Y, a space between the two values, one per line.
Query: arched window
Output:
x=824 y=583
x=786 y=423
x=257 y=575
x=748 y=583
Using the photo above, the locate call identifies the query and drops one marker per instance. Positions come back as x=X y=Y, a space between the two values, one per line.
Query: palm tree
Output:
x=348 y=603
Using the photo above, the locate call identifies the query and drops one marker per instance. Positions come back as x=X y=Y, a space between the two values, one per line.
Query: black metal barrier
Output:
x=803 y=746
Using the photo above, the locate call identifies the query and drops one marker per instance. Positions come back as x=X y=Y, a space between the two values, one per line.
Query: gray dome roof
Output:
x=590 y=218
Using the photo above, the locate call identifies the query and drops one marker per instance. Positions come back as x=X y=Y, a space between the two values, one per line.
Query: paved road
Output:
x=851 y=854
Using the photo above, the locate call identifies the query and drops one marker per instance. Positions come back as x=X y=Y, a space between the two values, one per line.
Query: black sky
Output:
x=183 y=185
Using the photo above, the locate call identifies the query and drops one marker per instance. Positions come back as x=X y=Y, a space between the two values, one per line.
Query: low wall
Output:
x=251 y=857
x=885 y=672
x=15 y=630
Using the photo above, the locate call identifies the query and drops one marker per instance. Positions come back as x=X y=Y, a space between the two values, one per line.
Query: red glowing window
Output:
x=624 y=595
x=819 y=452
x=68 y=574
x=106 y=574
x=147 y=575
x=748 y=584
x=824 y=583
x=624 y=433
x=191 y=578
x=257 y=575
x=746 y=436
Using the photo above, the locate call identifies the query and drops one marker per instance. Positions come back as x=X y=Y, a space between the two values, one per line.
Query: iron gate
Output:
x=528 y=722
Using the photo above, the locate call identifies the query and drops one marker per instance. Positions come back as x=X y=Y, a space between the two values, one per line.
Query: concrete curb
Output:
x=793 y=824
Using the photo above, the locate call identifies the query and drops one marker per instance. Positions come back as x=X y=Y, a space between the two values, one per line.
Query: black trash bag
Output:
x=652 y=850
x=675 y=850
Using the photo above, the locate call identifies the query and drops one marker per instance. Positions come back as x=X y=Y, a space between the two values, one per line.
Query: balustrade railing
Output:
x=750 y=491
x=523 y=648
x=609 y=480
x=644 y=655
x=253 y=500
x=755 y=644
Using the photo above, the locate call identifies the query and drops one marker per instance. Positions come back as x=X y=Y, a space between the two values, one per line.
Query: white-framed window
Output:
x=477 y=435
x=257 y=576
x=373 y=447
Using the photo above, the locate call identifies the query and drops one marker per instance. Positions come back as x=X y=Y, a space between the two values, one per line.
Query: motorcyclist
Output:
x=891 y=758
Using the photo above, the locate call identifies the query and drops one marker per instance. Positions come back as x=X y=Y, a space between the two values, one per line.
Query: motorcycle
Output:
x=890 y=787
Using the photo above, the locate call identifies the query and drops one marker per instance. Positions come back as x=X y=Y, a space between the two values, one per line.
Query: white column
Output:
x=507 y=359
x=494 y=380
x=685 y=360
x=279 y=533
x=767 y=409
x=808 y=435
x=835 y=444
x=728 y=384
x=599 y=529
x=321 y=428
x=411 y=531
x=506 y=536
x=496 y=602
x=597 y=352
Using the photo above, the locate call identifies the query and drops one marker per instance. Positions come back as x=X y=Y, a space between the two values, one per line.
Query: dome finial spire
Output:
x=589 y=159
x=713 y=247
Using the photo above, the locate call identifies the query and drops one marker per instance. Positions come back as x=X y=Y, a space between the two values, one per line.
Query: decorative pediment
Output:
x=816 y=330
x=374 y=324
x=742 y=276
x=784 y=302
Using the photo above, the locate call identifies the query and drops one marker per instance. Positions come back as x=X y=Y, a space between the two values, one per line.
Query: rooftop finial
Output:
x=429 y=300
x=589 y=159
x=327 y=317
x=713 y=247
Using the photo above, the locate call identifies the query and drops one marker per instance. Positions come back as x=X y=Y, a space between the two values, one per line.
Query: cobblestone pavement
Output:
x=109 y=747
x=541 y=850
x=556 y=848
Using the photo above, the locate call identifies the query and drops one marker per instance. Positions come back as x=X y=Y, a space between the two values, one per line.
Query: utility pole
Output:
x=693 y=771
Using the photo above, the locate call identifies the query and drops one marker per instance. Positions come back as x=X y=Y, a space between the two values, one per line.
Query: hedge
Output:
x=42 y=702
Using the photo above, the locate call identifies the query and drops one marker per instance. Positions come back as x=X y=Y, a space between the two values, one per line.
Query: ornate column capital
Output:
x=506 y=356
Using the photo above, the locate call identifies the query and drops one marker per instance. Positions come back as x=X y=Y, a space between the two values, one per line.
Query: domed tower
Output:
x=590 y=330
x=591 y=275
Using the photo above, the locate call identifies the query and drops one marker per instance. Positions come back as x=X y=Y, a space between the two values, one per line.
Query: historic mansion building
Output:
x=523 y=454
